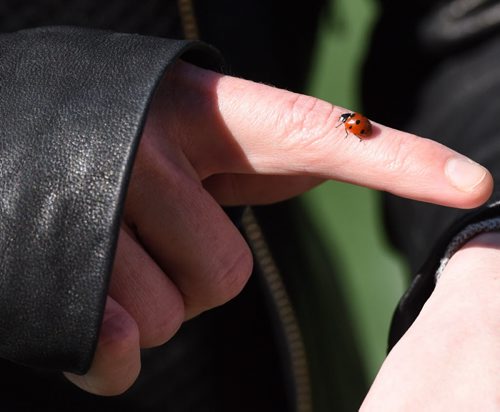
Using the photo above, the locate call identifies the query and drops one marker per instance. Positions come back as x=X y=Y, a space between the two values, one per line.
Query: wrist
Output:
x=476 y=263
x=469 y=286
x=449 y=358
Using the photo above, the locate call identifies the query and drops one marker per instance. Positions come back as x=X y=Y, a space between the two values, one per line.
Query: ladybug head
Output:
x=343 y=118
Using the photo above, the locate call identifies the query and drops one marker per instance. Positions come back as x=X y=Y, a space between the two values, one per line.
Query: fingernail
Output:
x=464 y=173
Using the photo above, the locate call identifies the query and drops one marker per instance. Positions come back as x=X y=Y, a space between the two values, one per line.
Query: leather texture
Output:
x=73 y=104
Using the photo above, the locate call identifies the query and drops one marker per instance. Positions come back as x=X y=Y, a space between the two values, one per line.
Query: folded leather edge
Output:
x=73 y=106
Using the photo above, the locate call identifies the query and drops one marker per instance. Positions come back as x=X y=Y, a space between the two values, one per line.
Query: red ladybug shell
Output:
x=357 y=124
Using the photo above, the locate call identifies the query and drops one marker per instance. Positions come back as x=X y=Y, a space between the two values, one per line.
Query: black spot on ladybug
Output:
x=355 y=123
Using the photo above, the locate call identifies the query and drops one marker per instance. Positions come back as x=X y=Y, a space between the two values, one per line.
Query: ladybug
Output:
x=357 y=124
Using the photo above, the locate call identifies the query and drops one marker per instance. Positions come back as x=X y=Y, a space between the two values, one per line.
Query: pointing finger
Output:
x=248 y=128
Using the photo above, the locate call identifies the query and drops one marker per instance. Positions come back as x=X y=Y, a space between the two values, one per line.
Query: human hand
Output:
x=212 y=139
x=449 y=359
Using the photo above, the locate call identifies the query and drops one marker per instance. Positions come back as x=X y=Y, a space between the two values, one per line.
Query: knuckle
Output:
x=398 y=158
x=307 y=120
x=222 y=278
x=166 y=319
x=231 y=278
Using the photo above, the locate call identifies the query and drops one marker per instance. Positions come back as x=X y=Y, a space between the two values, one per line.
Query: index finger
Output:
x=231 y=125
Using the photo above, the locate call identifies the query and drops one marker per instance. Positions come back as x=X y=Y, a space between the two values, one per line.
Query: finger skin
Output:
x=244 y=189
x=145 y=292
x=183 y=228
x=248 y=128
x=116 y=362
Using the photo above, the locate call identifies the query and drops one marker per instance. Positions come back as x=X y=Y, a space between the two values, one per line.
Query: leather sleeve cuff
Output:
x=72 y=108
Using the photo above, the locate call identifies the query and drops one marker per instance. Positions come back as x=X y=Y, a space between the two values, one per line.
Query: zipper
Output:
x=286 y=314
x=271 y=274
x=188 y=19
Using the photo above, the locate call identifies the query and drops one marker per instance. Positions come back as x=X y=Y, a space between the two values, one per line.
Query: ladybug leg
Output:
x=346 y=134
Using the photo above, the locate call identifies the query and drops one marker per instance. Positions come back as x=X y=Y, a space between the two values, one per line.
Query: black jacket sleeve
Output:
x=72 y=107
